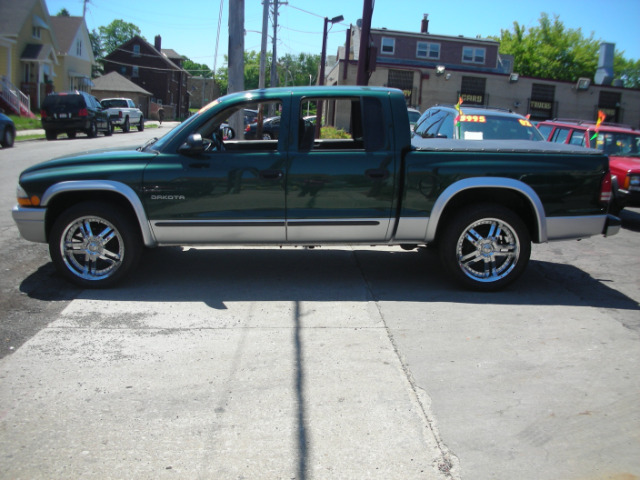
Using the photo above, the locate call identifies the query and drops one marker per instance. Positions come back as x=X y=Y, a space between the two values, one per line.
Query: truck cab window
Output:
x=341 y=124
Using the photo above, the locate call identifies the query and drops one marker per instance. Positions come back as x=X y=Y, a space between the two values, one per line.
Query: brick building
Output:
x=439 y=69
x=155 y=70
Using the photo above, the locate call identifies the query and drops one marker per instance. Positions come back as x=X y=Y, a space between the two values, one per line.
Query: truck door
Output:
x=233 y=192
x=341 y=189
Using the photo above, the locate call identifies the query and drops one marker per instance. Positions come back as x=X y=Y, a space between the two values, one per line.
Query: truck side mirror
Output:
x=193 y=145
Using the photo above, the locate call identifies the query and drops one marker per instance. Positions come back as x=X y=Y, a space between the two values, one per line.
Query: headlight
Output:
x=634 y=182
x=24 y=200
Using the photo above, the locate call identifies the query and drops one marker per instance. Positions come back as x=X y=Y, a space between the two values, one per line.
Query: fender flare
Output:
x=106 y=186
x=488 y=182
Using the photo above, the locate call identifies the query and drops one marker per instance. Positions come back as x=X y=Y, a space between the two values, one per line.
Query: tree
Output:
x=550 y=50
x=96 y=48
x=627 y=70
x=117 y=33
x=63 y=13
x=300 y=70
x=292 y=70
x=196 y=69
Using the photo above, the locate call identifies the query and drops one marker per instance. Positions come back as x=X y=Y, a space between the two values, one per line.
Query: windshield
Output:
x=495 y=127
x=618 y=144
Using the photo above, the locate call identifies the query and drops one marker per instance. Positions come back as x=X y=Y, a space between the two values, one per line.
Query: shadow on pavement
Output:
x=216 y=276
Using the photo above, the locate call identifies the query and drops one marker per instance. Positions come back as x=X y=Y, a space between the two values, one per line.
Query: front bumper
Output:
x=628 y=198
x=31 y=223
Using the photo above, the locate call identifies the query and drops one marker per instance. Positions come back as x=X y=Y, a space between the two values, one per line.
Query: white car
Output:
x=414 y=115
x=123 y=113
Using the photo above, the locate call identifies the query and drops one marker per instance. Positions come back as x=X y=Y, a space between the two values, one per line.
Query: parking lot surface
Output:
x=353 y=362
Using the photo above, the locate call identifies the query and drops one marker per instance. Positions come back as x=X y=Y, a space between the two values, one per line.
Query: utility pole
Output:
x=274 y=56
x=263 y=47
x=236 y=57
x=363 y=56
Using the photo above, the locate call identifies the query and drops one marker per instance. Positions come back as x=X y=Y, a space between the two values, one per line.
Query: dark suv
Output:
x=74 y=112
x=475 y=123
x=620 y=142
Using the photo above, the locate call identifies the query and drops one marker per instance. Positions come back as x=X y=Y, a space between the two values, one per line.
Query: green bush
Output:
x=333 y=132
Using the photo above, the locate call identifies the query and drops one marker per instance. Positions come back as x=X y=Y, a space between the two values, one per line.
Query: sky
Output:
x=190 y=26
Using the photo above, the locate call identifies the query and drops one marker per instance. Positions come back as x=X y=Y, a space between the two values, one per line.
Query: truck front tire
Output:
x=485 y=247
x=94 y=245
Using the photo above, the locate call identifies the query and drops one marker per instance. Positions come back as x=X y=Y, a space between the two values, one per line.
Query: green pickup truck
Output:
x=357 y=180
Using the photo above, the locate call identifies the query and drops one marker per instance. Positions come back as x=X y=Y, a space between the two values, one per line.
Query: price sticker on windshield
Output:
x=473 y=118
x=525 y=123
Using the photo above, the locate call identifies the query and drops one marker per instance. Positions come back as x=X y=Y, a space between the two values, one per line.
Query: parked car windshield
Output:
x=496 y=127
x=618 y=144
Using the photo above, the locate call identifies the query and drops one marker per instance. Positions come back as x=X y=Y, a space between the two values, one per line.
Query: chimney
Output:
x=424 y=28
x=604 y=72
x=157 y=42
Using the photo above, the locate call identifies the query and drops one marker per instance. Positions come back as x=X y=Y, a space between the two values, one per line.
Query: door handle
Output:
x=377 y=173
x=270 y=174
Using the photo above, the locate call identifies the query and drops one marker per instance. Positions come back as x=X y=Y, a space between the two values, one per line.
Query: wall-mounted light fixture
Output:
x=514 y=77
x=447 y=76
x=583 y=84
x=440 y=69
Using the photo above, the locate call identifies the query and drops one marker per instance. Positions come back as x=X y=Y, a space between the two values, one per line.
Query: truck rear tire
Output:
x=126 y=126
x=94 y=245
x=485 y=247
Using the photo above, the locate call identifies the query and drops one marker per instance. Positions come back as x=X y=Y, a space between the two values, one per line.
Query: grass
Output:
x=25 y=123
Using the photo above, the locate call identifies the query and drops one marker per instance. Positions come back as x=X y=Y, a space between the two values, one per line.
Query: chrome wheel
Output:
x=488 y=250
x=92 y=248
x=484 y=247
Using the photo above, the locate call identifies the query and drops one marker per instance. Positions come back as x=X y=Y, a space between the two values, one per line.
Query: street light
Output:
x=323 y=59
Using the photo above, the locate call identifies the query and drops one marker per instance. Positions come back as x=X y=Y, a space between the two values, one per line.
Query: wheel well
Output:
x=63 y=201
x=511 y=199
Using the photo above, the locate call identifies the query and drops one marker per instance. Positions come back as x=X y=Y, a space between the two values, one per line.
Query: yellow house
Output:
x=27 y=55
x=75 y=56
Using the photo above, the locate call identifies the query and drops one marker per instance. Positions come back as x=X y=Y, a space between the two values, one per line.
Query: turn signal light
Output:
x=24 y=200
x=29 y=201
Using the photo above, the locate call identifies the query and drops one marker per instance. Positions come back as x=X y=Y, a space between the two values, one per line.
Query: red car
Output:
x=620 y=142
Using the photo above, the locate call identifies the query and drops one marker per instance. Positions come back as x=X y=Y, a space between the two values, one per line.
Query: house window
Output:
x=136 y=50
x=135 y=73
x=36 y=32
x=428 y=50
x=473 y=55
x=388 y=45
x=79 y=48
